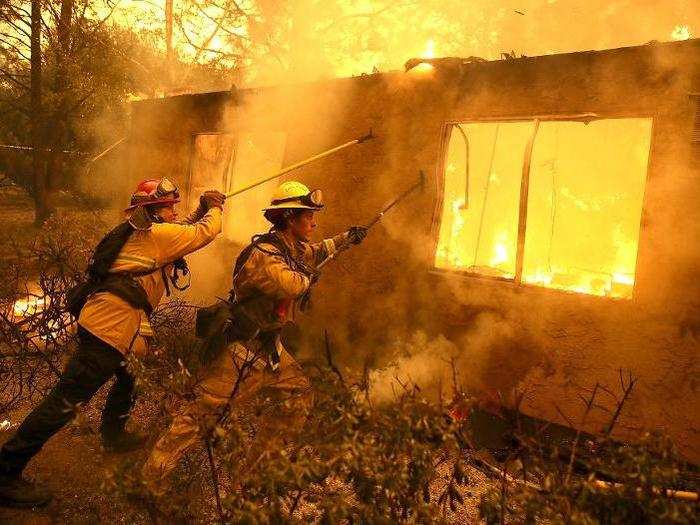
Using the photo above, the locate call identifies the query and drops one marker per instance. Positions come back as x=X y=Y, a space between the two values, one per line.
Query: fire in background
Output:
x=584 y=206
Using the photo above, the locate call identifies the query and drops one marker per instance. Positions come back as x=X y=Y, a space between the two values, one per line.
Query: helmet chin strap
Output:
x=153 y=215
x=142 y=218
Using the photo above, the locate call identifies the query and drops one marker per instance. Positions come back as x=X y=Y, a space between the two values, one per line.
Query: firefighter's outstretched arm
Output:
x=356 y=234
x=174 y=241
x=328 y=248
x=323 y=255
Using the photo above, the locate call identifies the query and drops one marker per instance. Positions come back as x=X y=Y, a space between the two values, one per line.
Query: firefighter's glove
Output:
x=314 y=277
x=357 y=234
x=212 y=199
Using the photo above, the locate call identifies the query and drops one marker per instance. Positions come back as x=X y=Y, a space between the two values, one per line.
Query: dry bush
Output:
x=357 y=462
x=351 y=461
x=592 y=479
x=36 y=333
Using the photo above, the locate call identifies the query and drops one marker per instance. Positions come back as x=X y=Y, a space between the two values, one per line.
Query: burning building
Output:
x=555 y=241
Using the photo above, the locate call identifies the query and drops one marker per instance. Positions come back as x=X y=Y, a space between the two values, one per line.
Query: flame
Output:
x=429 y=49
x=500 y=251
x=681 y=32
x=449 y=253
x=29 y=306
x=45 y=329
x=623 y=278
x=350 y=37
x=428 y=52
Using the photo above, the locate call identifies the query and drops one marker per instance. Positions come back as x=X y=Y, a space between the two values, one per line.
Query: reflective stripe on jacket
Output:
x=112 y=319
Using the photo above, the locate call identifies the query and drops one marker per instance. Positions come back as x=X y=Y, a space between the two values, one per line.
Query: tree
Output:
x=36 y=115
x=66 y=76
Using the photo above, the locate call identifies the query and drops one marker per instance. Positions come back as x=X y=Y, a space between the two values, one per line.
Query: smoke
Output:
x=493 y=356
x=418 y=362
x=265 y=130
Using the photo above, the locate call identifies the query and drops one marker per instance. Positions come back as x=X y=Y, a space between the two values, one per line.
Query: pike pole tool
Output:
x=318 y=156
x=418 y=184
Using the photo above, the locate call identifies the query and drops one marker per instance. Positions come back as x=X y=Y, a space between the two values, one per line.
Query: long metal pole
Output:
x=110 y=148
x=321 y=155
x=421 y=182
x=380 y=215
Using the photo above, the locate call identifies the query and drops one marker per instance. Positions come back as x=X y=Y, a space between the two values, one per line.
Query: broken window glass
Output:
x=211 y=154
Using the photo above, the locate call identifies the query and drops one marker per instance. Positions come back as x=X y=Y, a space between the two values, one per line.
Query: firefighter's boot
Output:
x=17 y=492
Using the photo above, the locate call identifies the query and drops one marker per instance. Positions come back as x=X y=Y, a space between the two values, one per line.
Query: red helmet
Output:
x=154 y=191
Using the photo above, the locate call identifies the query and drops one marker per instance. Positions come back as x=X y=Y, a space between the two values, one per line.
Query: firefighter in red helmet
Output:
x=131 y=269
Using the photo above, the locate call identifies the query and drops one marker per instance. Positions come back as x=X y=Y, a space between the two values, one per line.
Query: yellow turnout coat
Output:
x=112 y=319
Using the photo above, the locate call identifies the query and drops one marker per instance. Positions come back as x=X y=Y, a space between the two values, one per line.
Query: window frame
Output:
x=191 y=155
x=516 y=280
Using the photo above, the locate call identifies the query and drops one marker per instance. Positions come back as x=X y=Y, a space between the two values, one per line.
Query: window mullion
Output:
x=524 y=191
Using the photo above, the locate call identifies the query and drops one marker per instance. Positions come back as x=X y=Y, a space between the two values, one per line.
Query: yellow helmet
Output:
x=293 y=195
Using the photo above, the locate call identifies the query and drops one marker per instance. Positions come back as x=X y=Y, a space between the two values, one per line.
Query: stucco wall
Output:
x=553 y=344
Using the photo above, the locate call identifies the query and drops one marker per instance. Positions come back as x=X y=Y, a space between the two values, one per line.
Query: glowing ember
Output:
x=681 y=32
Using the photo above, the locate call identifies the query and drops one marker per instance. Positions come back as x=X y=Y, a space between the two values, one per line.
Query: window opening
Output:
x=463 y=133
x=553 y=203
x=486 y=190
x=226 y=161
x=524 y=193
x=211 y=154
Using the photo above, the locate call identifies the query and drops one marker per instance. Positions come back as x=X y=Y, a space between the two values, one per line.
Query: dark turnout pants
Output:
x=92 y=365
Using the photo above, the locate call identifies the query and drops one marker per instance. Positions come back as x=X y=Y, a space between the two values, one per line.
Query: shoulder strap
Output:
x=107 y=250
x=274 y=240
x=255 y=242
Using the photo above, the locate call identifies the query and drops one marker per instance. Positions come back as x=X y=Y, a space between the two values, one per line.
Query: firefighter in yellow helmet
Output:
x=131 y=270
x=271 y=280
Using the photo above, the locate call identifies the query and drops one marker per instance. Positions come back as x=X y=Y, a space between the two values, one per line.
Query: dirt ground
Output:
x=72 y=466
